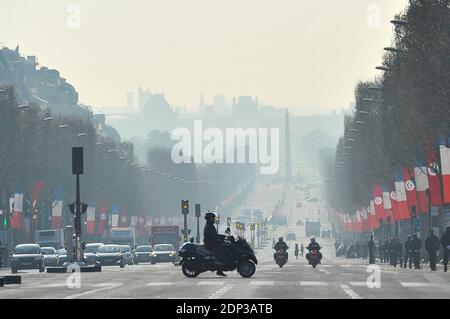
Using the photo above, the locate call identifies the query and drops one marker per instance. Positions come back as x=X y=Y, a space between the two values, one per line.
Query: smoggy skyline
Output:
x=290 y=53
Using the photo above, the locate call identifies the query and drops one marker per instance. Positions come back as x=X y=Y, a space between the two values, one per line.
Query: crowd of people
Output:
x=396 y=253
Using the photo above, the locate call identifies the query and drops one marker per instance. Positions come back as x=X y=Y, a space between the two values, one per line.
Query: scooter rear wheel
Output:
x=189 y=270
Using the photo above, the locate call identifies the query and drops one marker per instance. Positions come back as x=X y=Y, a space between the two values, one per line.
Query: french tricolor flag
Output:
x=371 y=215
x=90 y=219
x=17 y=211
x=115 y=210
x=420 y=175
x=445 y=168
x=57 y=207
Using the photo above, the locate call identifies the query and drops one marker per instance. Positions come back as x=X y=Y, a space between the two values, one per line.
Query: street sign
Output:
x=185 y=232
x=198 y=212
x=77 y=160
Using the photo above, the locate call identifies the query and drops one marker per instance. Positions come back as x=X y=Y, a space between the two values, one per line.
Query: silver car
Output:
x=50 y=256
x=127 y=254
x=90 y=253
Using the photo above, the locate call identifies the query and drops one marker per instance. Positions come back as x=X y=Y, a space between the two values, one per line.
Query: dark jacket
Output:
x=281 y=245
x=313 y=246
x=371 y=245
x=445 y=240
x=416 y=244
x=432 y=243
x=407 y=245
x=210 y=236
x=397 y=247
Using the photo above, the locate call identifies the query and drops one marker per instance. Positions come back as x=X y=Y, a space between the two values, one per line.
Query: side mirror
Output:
x=191 y=240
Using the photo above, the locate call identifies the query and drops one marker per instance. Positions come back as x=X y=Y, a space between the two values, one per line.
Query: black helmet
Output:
x=280 y=239
x=210 y=216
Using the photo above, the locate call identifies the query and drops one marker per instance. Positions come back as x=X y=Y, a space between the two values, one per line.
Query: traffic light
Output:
x=185 y=206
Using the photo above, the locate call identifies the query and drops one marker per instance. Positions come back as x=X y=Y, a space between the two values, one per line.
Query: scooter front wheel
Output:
x=246 y=269
x=189 y=270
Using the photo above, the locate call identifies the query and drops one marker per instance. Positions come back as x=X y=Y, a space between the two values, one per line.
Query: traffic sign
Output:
x=185 y=232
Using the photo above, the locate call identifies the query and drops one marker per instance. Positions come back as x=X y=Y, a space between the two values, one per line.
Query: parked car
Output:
x=111 y=255
x=142 y=254
x=90 y=253
x=127 y=254
x=62 y=257
x=50 y=256
x=163 y=253
x=27 y=256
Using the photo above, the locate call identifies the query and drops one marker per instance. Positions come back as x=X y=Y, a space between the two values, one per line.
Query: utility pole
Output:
x=78 y=208
x=197 y=215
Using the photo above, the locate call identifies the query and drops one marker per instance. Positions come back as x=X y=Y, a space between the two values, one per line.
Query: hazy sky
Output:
x=299 y=53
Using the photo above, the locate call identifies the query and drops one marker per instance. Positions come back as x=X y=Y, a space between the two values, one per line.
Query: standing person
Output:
x=432 y=247
x=296 y=251
x=381 y=251
x=357 y=250
x=392 y=252
x=397 y=249
x=445 y=242
x=387 y=251
x=371 y=246
x=302 y=249
x=408 y=252
x=416 y=246
x=364 y=251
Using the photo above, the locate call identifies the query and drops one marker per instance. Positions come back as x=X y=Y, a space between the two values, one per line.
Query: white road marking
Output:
x=324 y=271
x=210 y=283
x=106 y=287
x=350 y=292
x=219 y=293
x=262 y=283
x=415 y=284
x=156 y=284
x=313 y=283
x=358 y=283
x=53 y=285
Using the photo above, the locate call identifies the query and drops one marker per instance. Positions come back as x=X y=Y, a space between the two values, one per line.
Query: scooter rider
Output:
x=313 y=245
x=212 y=240
x=280 y=245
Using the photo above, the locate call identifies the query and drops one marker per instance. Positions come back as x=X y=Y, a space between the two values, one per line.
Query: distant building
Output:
x=201 y=104
x=220 y=104
x=245 y=106
x=105 y=130
x=43 y=85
